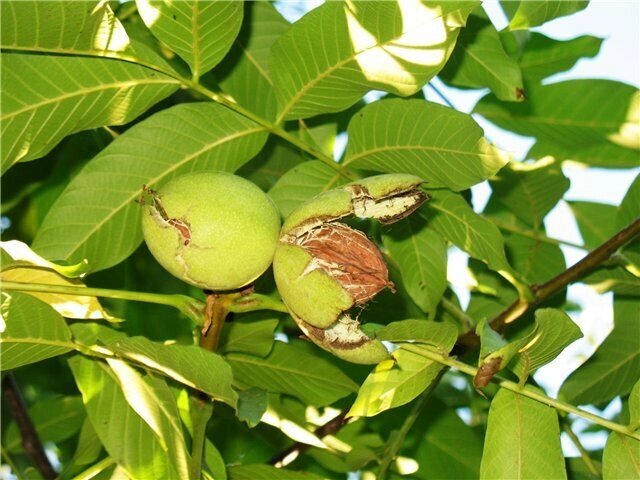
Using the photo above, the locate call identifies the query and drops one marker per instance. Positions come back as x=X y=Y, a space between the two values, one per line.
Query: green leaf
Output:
x=201 y=33
x=244 y=73
x=267 y=472
x=450 y=215
x=448 y=448
x=421 y=255
x=613 y=368
x=303 y=182
x=596 y=221
x=32 y=331
x=125 y=435
x=530 y=190
x=441 y=145
x=21 y=264
x=613 y=279
x=544 y=56
x=605 y=155
x=630 y=207
x=479 y=61
x=38 y=113
x=95 y=334
x=532 y=13
x=252 y=337
x=522 y=440
x=563 y=113
x=332 y=56
x=553 y=331
x=55 y=419
x=152 y=399
x=291 y=370
x=394 y=382
x=441 y=335
x=182 y=139
x=89 y=446
x=187 y=364
x=252 y=403
x=274 y=161
x=621 y=457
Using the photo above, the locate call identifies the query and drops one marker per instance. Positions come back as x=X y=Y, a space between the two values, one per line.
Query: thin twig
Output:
x=292 y=452
x=441 y=95
x=30 y=439
x=588 y=461
x=396 y=440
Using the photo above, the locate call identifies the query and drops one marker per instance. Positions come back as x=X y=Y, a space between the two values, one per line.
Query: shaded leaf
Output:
x=245 y=72
x=55 y=419
x=31 y=331
x=596 y=221
x=450 y=215
x=605 y=155
x=522 y=440
x=201 y=33
x=90 y=213
x=532 y=13
x=613 y=279
x=544 y=56
x=615 y=366
x=252 y=403
x=530 y=190
x=441 y=145
x=394 y=382
x=440 y=335
x=332 y=56
x=562 y=113
x=253 y=337
x=303 y=182
x=289 y=369
x=421 y=255
x=479 y=60
x=272 y=163
x=267 y=472
x=124 y=434
x=187 y=364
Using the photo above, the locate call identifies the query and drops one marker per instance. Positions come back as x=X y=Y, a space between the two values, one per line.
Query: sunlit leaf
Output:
x=151 y=398
x=530 y=190
x=479 y=60
x=522 y=440
x=31 y=331
x=201 y=33
x=605 y=155
x=450 y=215
x=303 y=182
x=188 y=364
x=331 y=57
x=613 y=279
x=613 y=368
x=244 y=73
x=23 y=265
x=563 y=113
x=289 y=369
x=421 y=254
x=630 y=212
x=440 y=335
x=125 y=435
x=55 y=419
x=532 y=13
x=394 y=382
x=90 y=213
x=441 y=145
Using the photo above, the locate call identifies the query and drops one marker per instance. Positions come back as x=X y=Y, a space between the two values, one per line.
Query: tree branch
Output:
x=542 y=292
x=30 y=439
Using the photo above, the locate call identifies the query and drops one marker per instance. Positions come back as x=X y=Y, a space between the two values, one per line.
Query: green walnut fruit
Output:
x=214 y=230
x=324 y=268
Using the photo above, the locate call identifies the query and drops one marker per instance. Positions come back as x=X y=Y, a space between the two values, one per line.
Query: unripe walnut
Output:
x=323 y=268
x=214 y=230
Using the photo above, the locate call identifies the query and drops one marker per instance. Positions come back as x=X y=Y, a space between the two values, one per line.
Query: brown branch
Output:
x=542 y=292
x=329 y=428
x=30 y=439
